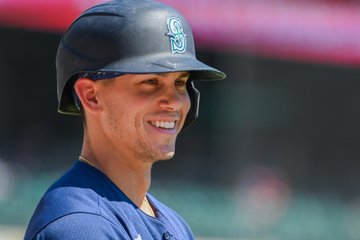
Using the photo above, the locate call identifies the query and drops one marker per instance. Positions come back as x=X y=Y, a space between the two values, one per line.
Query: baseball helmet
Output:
x=128 y=37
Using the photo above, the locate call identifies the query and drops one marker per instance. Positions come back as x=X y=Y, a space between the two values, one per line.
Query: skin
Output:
x=119 y=137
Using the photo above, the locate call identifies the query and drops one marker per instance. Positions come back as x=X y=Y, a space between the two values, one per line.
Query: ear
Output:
x=86 y=92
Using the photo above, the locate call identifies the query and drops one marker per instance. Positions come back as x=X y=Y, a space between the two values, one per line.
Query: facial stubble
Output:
x=142 y=147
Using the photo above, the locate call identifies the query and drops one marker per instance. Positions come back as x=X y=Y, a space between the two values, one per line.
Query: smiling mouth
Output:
x=164 y=124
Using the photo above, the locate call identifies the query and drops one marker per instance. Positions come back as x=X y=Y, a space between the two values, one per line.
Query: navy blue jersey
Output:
x=85 y=204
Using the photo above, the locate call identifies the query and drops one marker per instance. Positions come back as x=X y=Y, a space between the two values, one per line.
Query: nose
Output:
x=171 y=99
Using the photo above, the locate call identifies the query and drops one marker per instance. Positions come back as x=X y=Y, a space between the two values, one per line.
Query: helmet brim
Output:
x=164 y=64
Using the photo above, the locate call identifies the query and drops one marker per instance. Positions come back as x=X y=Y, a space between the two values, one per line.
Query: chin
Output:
x=154 y=152
x=164 y=156
x=169 y=155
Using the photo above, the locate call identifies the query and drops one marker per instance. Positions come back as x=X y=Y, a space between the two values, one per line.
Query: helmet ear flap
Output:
x=194 y=95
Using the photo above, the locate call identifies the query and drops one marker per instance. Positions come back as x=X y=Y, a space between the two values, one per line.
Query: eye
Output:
x=151 y=82
x=180 y=82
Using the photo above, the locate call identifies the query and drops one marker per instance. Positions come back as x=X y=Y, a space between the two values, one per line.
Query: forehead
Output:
x=171 y=75
x=127 y=78
x=175 y=74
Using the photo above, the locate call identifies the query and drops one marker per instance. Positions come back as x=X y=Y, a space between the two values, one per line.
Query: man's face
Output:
x=143 y=113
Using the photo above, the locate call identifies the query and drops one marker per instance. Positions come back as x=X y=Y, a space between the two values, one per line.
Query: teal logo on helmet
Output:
x=176 y=35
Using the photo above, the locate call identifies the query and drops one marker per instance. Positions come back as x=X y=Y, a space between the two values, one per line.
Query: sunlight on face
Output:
x=144 y=113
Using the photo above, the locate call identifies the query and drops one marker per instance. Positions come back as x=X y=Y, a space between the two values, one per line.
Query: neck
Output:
x=132 y=176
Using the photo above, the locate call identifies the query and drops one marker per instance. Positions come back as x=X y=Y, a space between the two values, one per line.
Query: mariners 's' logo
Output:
x=176 y=35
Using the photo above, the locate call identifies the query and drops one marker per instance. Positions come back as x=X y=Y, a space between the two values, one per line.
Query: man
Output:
x=128 y=67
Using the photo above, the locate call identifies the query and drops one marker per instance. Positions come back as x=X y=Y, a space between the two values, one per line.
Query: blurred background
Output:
x=275 y=152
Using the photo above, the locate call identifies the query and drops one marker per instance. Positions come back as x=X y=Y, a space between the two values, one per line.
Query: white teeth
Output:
x=162 y=124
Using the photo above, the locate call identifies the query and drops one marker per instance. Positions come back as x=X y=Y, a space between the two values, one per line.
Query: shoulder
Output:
x=79 y=226
x=66 y=213
x=77 y=191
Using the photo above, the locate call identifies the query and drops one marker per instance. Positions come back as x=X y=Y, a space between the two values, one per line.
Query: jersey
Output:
x=85 y=204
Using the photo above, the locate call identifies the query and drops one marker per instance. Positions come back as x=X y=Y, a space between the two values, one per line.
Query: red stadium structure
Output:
x=311 y=31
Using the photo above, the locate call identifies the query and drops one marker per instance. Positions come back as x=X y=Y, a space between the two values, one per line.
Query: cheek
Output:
x=115 y=111
x=187 y=103
x=131 y=111
x=114 y=116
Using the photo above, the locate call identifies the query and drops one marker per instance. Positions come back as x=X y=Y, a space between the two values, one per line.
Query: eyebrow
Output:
x=185 y=74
